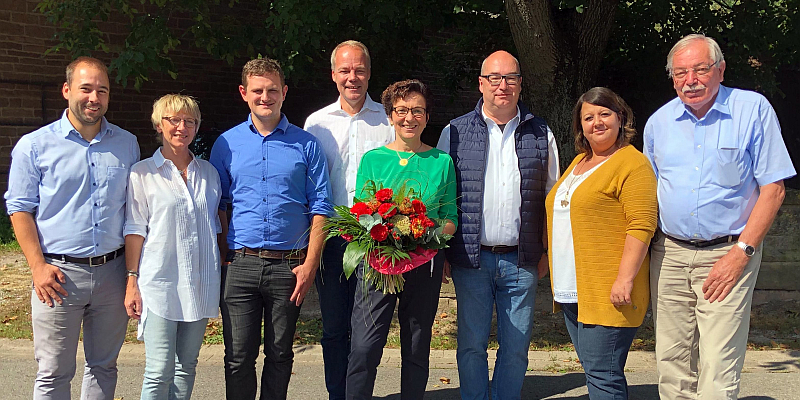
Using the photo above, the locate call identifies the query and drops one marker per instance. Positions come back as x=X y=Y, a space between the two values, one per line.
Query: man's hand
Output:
x=621 y=293
x=544 y=266
x=446 y=272
x=133 y=299
x=305 y=273
x=47 y=280
x=724 y=275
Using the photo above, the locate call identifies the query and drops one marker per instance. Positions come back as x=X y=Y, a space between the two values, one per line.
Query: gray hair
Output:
x=350 y=43
x=713 y=49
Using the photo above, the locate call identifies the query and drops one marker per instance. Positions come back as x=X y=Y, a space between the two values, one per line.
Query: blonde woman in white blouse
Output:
x=172 y=254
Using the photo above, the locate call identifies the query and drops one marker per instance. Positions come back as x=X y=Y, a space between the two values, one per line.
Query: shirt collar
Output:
x=159 y=159
x=369 y=105
x=488 y=120
x=67 y=128
x=720 y=105
x=282 y=125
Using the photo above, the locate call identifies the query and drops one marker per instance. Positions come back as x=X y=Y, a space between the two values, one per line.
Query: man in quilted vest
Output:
x=506 y=160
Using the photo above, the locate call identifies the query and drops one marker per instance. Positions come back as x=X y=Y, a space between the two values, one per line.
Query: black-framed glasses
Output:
x=416 y=112
x=700 y=70
x=495 y=79
x=176 y=121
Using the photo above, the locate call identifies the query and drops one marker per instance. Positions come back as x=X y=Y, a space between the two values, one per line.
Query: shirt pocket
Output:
x=116 y=184
x=728 y=156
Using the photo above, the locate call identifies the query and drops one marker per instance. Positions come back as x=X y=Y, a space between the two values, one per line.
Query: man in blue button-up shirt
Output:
x=720 y=161
x=275 y=176
x=66 y=198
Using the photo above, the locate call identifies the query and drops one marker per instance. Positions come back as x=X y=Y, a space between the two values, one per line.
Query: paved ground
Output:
x=552 y=375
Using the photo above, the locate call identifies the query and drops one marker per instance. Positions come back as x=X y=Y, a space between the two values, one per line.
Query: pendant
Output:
x=403 y=162
x=564 y=203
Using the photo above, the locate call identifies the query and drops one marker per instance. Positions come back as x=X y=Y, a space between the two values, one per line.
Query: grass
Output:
x=774 y=325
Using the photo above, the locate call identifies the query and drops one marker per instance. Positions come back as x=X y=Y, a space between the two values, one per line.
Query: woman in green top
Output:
x=429 y=171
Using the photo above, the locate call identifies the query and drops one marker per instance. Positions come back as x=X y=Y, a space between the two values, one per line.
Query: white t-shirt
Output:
x=565 y=288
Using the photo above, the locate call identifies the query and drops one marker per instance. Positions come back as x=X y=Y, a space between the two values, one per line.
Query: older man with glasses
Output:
x=720 y=162
x=506 y=161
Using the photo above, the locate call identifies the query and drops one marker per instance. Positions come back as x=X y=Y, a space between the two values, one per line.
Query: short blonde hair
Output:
x=350 y=43
x=174 y=103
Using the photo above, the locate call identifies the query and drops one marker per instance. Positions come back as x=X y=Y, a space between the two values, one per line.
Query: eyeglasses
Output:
x=700 y=70
x=495 y=79
x=187 y=122
x=416 y=112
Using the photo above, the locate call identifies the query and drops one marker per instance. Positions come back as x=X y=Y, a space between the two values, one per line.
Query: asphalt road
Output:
x=767 y=375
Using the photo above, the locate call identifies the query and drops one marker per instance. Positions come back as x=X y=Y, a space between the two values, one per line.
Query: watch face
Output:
x=749 y=250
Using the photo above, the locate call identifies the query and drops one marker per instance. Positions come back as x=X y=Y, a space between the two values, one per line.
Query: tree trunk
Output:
x=560 y=51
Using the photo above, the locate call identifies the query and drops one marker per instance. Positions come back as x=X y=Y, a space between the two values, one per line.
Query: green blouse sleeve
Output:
x=447 y=203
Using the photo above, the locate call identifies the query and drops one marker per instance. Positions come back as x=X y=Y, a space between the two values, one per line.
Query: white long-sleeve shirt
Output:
x=179 y=269
x=345 y=139
x=502 y=197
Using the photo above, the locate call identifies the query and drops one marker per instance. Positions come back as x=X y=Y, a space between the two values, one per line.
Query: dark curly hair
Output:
x=401 y=90
x=603 y=97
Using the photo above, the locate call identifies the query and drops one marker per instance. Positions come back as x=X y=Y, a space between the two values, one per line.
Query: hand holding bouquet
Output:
x=389 y=232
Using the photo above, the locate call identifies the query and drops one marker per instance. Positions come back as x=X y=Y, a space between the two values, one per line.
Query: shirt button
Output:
x=263 y=158
x=696 y=168
x=692 y=214
x=95 y=204
x=263 y=179
x=93 y=164
x=698 y=146
x=95 y=224
x=265 y=220
x=263 y=199
x=94 y=183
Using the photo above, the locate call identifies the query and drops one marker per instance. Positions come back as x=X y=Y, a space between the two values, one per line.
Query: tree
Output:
x=564 y=46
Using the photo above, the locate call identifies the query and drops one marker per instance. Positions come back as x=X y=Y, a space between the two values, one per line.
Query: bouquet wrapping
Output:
x=389 y=233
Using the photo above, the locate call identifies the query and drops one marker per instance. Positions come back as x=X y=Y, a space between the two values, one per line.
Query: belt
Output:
x=499 y=249
x=95 y=261
x=705 y=243
x=299 y=254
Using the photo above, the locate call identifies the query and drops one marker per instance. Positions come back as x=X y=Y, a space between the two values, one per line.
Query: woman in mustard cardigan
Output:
x=600 y=217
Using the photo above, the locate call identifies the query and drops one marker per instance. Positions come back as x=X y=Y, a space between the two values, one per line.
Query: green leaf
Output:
x=353 y=255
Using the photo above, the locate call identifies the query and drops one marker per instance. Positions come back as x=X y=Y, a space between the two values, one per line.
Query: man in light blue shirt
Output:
x=66 y=198
x=720 y=161
x=275 y=176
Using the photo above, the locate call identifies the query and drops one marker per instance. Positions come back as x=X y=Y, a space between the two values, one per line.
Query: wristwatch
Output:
x=748 y=250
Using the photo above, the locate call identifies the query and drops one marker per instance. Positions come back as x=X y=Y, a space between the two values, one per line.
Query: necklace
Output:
x=573 y=178
x=404 y=161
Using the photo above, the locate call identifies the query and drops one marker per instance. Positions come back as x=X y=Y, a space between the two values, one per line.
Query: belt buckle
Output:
x=92 y=264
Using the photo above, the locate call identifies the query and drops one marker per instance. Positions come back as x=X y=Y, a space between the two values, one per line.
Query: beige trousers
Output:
x=700 y=346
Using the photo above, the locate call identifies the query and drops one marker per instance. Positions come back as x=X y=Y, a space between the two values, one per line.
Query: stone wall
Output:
x=780 y=267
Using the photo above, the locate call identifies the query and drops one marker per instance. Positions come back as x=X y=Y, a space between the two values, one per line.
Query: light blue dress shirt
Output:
x=275 y=184
x=75 y=189
x=710 y=169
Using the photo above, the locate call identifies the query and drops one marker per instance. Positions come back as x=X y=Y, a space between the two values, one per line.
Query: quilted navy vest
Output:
x=468 y=144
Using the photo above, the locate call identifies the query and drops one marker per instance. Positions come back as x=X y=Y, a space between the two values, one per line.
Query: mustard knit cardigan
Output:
x=617 y=199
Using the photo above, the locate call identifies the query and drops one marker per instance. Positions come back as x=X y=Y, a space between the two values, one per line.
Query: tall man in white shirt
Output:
x=506 y=160
x=346 y=129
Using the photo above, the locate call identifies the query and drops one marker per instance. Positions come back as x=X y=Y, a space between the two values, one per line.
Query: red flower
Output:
x=387 y=210
x=379 y=232
x=360 y=209
x=347 y=237
x=419 y=207
x=384 y=194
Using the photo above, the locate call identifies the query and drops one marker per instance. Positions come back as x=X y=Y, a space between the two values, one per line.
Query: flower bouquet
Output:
x=389 y=232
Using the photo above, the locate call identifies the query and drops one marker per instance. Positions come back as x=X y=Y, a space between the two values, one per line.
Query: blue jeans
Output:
x=336 y=295
x=603 y=351
x=498 y=282
x=171 y=349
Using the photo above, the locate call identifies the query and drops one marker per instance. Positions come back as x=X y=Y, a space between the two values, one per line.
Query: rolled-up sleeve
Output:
x=24 y=178
x=318 y=190
x=137 y=212
x=638 y=198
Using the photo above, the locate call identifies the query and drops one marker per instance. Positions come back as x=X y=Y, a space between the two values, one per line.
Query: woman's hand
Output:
x=621 y=292
x=133 y=299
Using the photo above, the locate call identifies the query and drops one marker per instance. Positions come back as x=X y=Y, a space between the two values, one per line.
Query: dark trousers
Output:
x=372 y=314
x=253 y=289
x=336 y=294
x=603 y=351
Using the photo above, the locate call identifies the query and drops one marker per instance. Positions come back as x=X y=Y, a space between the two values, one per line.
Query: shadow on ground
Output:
x=540 y=387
